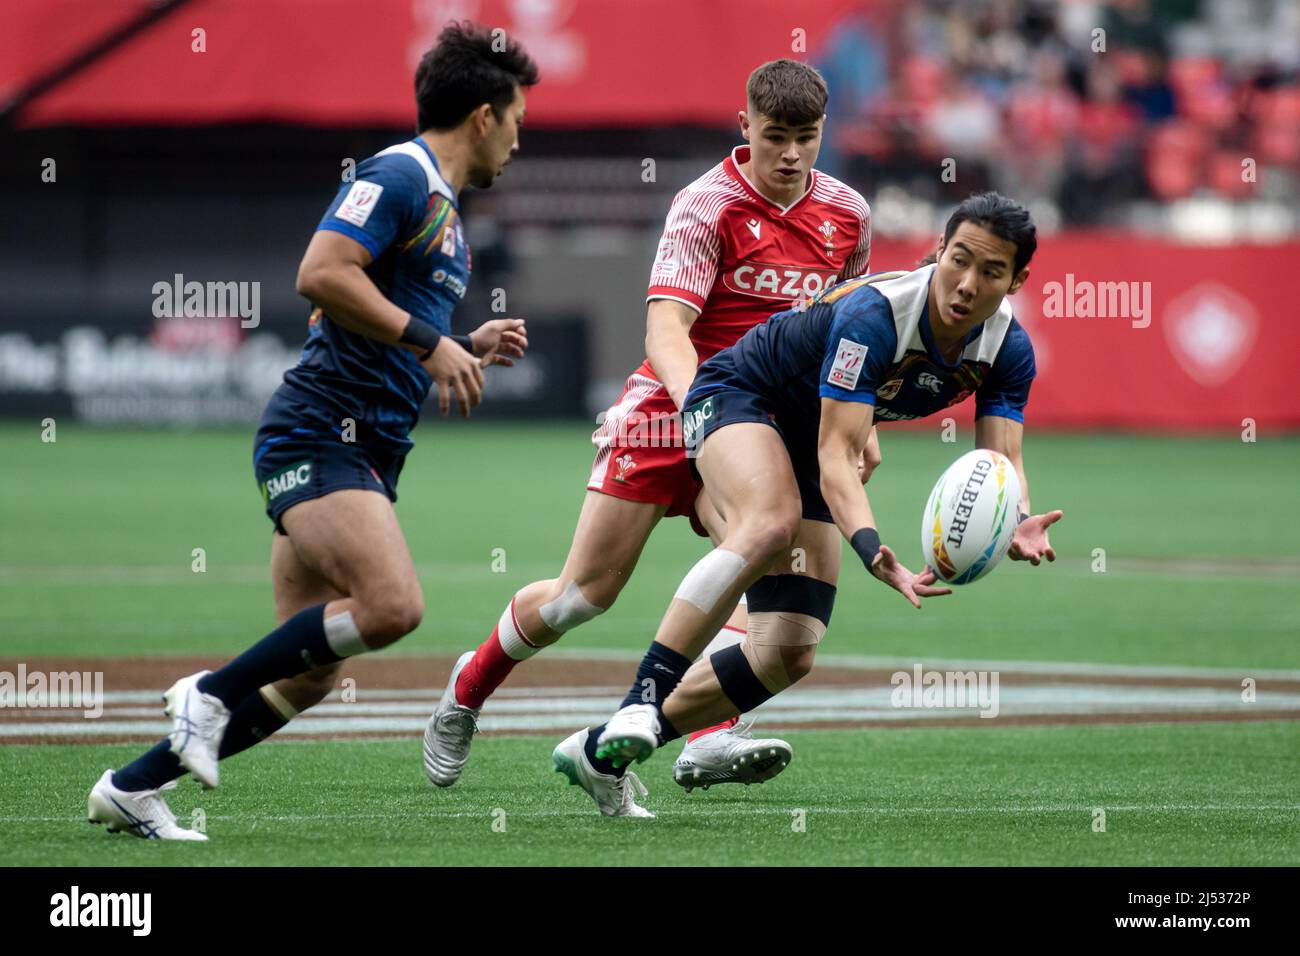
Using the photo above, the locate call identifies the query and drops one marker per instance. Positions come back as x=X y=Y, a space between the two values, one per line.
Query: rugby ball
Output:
x=970 y=517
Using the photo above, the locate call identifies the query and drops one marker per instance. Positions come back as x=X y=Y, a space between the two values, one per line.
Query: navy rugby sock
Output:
x=657 y=676
x=252 y=721
x=296 y=646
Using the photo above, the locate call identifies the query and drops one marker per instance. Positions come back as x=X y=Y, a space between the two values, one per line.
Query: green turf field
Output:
x=98 y=529
x=1172 y=794
x=97 y=532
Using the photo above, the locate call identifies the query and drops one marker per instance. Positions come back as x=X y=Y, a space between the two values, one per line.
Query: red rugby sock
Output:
x=493 y=661
x=725 y=725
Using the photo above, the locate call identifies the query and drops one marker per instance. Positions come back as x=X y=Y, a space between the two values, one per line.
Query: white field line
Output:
x=450 y=573
x=1171 y=567
x=701 y=808
x=1081 y=668
x=1049 y=698
x=430 y=694
x=794 y=707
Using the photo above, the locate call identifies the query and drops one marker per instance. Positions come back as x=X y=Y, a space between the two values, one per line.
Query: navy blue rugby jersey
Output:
x=869 y=340
x=401 y=209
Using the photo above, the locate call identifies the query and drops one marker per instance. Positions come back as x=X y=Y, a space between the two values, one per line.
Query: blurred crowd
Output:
x=1078 y=105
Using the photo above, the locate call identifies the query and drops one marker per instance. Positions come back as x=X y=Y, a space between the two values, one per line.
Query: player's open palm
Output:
x=1030 y=543
x=912 y=586
x=500 y=341
x=455 y=370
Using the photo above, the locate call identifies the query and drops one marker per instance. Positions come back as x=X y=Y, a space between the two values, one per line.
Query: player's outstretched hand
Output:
x=500 y=341
x=887 y=568
x=1030 y=543
x=454 y=369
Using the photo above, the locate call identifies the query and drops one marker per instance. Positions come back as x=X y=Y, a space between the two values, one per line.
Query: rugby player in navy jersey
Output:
x=777 y=423
x=385 y=270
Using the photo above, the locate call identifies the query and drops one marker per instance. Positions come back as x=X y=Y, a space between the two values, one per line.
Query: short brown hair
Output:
x=788 y=91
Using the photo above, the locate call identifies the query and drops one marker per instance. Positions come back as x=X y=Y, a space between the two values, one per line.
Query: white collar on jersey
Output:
x=418 y=153
x=736 y=161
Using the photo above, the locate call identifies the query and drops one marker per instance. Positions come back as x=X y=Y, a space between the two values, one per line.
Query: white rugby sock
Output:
x=511 y=637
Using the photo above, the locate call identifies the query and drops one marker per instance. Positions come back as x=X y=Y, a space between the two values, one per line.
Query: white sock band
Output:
x=342 y=635
x=712 y=576
x=568 y=610
x=511 y=636
x=277 y=702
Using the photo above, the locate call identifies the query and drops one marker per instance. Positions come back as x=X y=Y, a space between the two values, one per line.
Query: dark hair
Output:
x=467 y=67
x=1003 y=217
x=788 y=91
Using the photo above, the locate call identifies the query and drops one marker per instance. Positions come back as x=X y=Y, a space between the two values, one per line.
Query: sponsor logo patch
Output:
x=754 y=226
x=297 y=475
x=693 y=418
x=771 y=281
x=359 y=203
x=849 y=359
x=666 y=259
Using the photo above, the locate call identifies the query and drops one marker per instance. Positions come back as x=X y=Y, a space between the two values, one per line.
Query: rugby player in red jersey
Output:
x=760 y=231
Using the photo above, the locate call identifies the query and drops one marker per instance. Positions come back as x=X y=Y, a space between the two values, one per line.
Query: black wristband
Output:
x=465 y=342
x=866 y=542
x=422 y=335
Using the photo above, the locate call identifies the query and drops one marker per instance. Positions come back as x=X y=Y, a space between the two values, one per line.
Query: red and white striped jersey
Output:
x=737 y=257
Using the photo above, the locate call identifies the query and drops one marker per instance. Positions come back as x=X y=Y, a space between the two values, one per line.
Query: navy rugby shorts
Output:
x=299 y=465
x=707 y=411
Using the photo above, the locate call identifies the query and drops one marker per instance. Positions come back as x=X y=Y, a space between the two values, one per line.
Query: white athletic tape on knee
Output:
x=342 y=635
x=511 y=636
x=785 y=629
x=713 y=575
x=277 y=702
x=568 y=610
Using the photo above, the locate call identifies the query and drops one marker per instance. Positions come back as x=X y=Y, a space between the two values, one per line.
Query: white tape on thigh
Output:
x=568 y=610
x=713 y=575
x=342 y=635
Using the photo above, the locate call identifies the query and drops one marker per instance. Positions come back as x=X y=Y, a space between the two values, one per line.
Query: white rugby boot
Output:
x=731 y=756
x=198 y=724
x=449 y=733
x=141 y=813
x=615 y=796
x=631 y=734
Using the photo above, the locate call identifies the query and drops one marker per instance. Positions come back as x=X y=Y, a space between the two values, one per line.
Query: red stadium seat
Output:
x=1175 y=160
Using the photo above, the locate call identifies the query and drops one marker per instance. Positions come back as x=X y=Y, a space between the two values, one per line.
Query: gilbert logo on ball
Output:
x=970 y=517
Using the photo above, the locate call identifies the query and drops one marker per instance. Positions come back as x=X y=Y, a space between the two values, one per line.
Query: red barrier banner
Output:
x=1148 y=334
x=339 y=62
